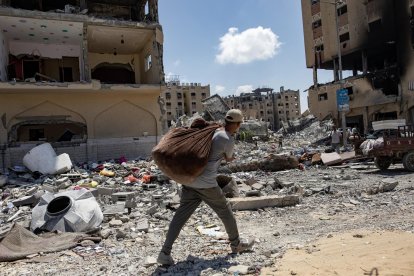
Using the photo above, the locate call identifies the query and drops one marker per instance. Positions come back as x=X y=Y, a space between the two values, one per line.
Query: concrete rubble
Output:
x=264 y=184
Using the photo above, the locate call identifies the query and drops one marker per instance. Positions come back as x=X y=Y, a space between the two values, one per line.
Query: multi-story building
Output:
x=374 y=40
x=84 y=75
x=183 y=99
x=264 y=104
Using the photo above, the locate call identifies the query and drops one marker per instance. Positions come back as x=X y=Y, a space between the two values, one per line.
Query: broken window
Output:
x=387 y=81
x=342 y=10
x=319 y=48
x=344 y=37
x=148 y=63
x=375 y=26
x=168 y=96
x=385 y=116
x=323 y=97
x=179 y=96
x=203 y=95
x=168 y=105
x=350 y=93
x=314 y=2
x=317 y=24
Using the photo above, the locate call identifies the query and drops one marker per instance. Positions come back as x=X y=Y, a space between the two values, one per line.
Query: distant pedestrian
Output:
x=335 y=139
x=280 y=141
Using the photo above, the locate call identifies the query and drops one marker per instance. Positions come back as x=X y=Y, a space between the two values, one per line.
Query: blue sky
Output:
x=237 y=45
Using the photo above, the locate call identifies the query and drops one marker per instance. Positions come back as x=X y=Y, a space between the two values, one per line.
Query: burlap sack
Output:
x=182 y=153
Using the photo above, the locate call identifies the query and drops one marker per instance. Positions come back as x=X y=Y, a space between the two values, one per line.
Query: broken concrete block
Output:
x=43 y=159
x=115 y=223
x=244 y=188
x=257 y=186
x=253 y=203
x=28 y=200
x=286 y=184
x=149 y=186
x=105 y=233
x=143 y=225
x=31 y=191
x=152 y=210
x=118 y=208
x=105 y=191
x=347 y=155
x=50 y=188
x=128 y=197
x=387 y=185
x=239 y=269
x=331 y=158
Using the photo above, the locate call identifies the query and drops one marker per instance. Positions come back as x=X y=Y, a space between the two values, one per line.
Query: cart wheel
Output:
x=382 y=162
x=408 y=161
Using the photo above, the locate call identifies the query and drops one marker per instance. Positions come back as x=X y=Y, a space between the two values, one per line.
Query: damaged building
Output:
x=374 y=40
x=183 y=98
x=84 y=75
x=265 y=104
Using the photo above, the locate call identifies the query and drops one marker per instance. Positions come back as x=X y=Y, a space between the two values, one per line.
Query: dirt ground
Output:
x=357 y=253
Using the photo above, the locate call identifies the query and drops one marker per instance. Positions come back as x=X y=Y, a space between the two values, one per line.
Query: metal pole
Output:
x=341 y=82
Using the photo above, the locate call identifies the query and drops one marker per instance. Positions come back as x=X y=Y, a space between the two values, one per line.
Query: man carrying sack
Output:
x=205 y=188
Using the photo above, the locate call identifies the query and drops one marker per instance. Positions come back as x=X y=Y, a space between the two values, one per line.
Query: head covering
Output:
x=234 y=116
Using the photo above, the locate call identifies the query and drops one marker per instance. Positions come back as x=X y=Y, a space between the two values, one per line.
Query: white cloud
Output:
x=250 y=45
x=219 y=89
x=177 y=62
x=244 y=89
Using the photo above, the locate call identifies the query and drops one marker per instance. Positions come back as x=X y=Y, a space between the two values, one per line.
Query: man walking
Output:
x=335 y=139
x=205 y=188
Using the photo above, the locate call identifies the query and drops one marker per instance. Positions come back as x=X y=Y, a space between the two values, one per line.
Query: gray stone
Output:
x=115 y=223
x=239 y=269
x=105 y=191
x=142 y=225
x=388 y=184
x=105 y=233
x=257 y=186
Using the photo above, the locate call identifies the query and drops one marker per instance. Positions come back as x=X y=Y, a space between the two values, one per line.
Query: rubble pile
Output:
x=137 y=201
x=315 y=133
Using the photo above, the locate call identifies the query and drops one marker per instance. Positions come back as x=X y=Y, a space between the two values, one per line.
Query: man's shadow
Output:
x=195 y=265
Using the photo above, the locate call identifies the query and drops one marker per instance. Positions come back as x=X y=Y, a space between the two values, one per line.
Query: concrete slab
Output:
x=253 y=203
x=347 y=155
x=331 y=158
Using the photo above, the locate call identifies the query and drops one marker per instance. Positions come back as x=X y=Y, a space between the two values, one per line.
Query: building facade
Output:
x=264 y=104
x=183 y=99
x=84 y=75
x=373 y=40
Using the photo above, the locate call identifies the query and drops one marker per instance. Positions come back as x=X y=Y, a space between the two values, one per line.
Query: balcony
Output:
x=59 y=52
